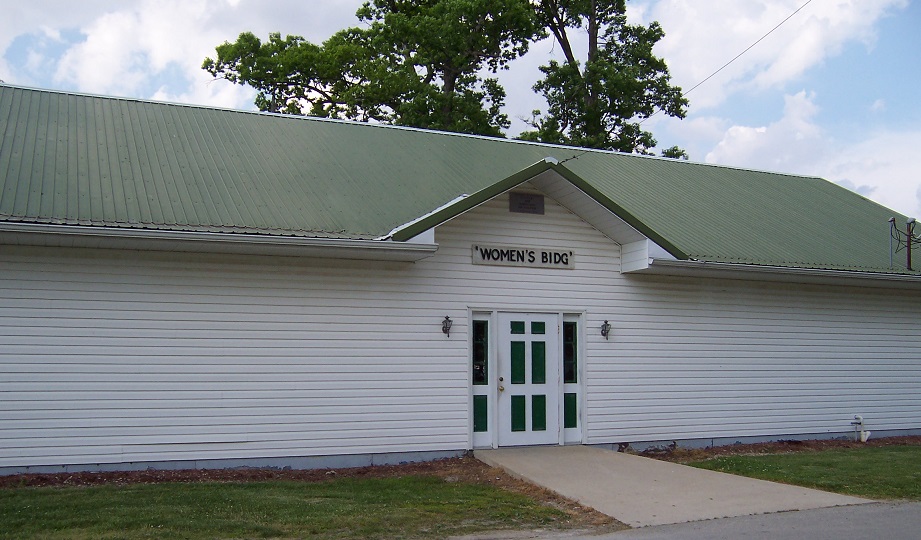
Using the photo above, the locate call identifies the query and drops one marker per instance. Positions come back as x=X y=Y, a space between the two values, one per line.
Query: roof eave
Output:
x=207 y=242
x=820 y=276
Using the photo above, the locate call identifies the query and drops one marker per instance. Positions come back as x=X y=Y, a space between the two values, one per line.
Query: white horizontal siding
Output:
x=635 y=256
x=694 y=358
x=707 y=358
x=154 y=357
x=109 y=356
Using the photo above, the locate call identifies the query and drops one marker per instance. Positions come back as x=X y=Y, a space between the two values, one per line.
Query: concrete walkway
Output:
x=892 y=521
x=641 y=491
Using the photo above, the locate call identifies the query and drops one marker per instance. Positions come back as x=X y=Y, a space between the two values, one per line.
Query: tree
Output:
x=599 y=103
x=675 y=153
x=416 y=63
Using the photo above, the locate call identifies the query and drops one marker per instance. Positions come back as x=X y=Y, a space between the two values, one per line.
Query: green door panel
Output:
x=538 y=362
x=518 y=413
x=518 y=362
x=538 y=413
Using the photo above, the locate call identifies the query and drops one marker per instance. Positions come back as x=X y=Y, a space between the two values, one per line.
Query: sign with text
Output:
x=523 y=256
x=526 y=203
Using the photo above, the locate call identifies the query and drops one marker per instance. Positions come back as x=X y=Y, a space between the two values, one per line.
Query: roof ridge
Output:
x=580 y=151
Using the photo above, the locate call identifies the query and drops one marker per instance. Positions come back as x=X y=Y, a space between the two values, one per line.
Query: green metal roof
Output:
x=99 y=161
x=732 y=215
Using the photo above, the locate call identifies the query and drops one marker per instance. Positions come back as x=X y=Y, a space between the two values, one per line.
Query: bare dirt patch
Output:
x=687 y=455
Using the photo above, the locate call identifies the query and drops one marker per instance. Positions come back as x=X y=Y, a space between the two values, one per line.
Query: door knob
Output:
x=501 y=388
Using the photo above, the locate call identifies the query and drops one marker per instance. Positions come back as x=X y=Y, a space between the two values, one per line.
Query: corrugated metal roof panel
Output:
x=97 y=161
x=734 y=215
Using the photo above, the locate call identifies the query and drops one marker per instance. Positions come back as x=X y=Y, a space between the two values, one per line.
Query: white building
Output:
x=192 y=287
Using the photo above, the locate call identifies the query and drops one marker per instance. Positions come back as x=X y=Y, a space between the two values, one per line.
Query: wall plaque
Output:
x=526 y=203
x=523 y=256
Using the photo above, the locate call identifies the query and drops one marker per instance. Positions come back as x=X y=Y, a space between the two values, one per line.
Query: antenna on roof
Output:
x=907 y=240
x=909 y=235
x=891 y=225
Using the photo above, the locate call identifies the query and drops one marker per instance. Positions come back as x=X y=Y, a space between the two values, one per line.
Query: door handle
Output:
x=501 y=388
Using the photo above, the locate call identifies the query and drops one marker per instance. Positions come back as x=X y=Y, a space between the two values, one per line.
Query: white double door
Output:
x=528 y=383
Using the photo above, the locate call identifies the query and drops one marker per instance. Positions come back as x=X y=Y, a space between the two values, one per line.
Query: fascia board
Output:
x=819 y=276
x=594 y=213
x=464 y=204
x=620 y=212
x=205 y=242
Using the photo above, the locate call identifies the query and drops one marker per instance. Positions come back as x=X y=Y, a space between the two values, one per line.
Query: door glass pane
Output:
x=538 y=413
x=537 y=327
x=570 y=417
x=518 y=362
x=518 y=413
x=570 y=353
x=480 y=351
x=480 y=413
x=538 y=362
x=517 y=327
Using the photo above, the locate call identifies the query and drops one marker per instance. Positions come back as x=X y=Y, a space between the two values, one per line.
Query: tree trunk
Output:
x=591 y=95
x=447 y=89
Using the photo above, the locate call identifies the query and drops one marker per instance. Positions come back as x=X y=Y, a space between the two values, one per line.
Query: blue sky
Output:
x=830 y=93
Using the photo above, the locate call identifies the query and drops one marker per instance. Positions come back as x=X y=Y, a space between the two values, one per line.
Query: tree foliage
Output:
x=414 y=63
x=421 y=63
x=675 y=152
x=599 y=102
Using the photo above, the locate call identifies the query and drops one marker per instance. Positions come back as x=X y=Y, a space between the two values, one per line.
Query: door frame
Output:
x=490 y=438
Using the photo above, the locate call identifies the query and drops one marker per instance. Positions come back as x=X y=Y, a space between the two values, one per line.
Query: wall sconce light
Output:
x=446 y=326
x=606 y=329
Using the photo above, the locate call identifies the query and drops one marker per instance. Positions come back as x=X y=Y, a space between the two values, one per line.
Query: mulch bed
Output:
x=683 y=455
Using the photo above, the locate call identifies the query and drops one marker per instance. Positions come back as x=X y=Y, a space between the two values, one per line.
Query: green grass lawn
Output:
x=884 y=472
x=408 y=507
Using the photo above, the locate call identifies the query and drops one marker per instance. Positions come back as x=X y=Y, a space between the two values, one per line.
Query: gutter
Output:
x=778 y=273
x=33 y=234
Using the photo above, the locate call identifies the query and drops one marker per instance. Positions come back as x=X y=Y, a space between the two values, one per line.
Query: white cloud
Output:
x=702 y=36
x=864 y=189
x=518 y=80
x=882 y=162
x=51 y=33
x=154 y=48
x=781 y=146
x=35 y=60
x=879 y=167
x=204 y=90
x=47 y=17
x=109 y=60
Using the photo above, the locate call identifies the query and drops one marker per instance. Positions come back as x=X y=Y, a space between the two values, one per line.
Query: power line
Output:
x=736 y=57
